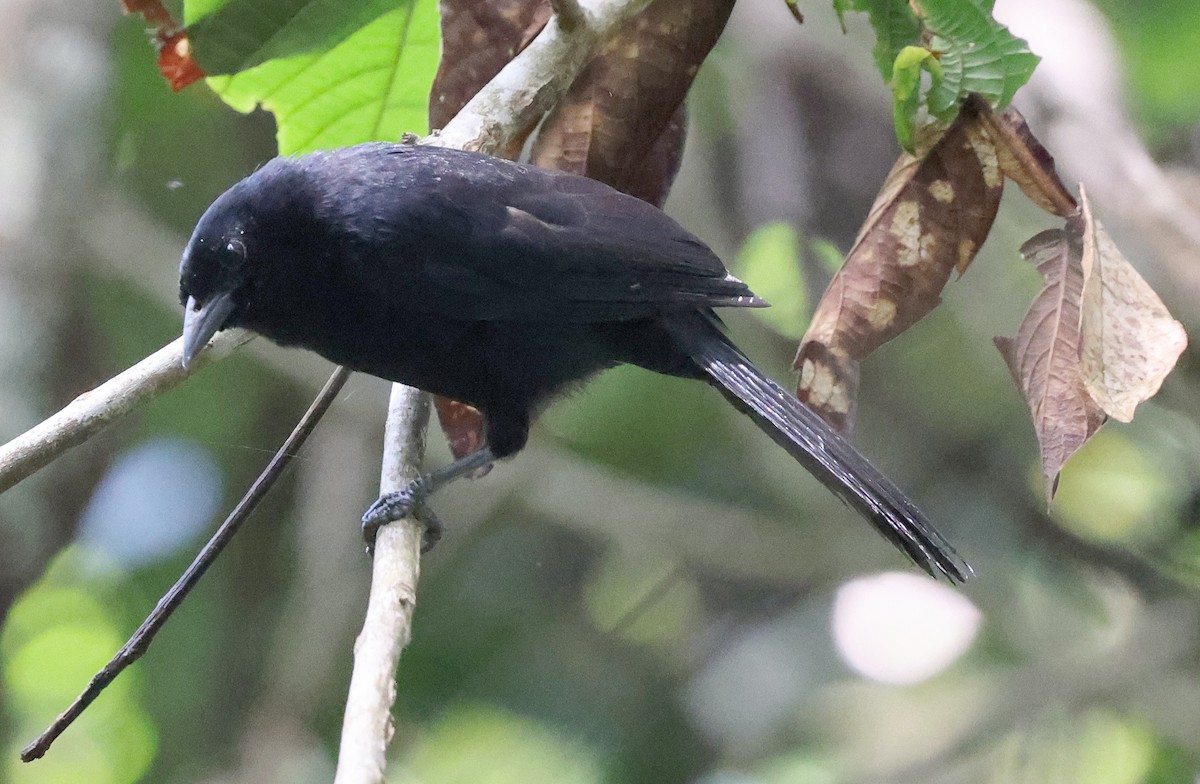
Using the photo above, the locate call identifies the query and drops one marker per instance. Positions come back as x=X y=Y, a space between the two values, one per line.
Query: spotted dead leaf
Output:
x=620 y=121
x=1130 y=342
x=1024 y=160
x=932 y=214
x=1044 y=357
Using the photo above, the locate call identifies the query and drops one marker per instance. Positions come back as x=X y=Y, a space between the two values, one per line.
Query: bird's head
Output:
x=226 y=273
x=213 y=278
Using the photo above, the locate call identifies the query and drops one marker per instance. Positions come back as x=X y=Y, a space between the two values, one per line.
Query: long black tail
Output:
x=822 y=451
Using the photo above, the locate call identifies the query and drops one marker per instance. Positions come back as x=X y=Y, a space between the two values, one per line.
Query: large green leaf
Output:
x=977 y=54
x=895 y=27
x=332 y=72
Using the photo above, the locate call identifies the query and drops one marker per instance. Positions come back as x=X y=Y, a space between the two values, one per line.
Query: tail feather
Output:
x=821 y=450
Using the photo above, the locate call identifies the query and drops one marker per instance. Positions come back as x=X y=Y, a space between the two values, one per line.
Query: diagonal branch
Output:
x=91 y=412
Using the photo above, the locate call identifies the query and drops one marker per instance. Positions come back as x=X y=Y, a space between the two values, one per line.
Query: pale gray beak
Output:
x=201 y=322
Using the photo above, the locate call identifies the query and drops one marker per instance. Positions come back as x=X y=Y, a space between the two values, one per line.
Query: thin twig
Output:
x=141 y=639
x=92 y=411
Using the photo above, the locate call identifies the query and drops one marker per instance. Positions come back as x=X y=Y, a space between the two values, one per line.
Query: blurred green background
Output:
x=653 y=592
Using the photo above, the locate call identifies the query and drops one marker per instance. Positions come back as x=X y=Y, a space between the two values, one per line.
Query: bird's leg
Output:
x=410 y=499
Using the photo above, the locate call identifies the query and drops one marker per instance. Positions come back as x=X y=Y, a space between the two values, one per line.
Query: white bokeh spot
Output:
x=902 y=628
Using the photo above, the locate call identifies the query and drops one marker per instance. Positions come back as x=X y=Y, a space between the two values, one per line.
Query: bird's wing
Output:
x=510 y=242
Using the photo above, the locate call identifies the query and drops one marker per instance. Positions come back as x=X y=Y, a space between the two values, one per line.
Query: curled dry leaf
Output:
x=932 y=214
x=1130 y=341
x=620 y=121
x=153 y=11
x=652 y=180
x=1044 y=357
x=1024 y=160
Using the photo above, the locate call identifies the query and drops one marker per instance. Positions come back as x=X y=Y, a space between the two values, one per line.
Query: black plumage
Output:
x=499 y=285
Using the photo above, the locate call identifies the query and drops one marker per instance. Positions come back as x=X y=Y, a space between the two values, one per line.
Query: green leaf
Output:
x=827 y=256
x=906 y=91
x=333 y=73
x=977 y=54
x=895 y=26
x=769 y=260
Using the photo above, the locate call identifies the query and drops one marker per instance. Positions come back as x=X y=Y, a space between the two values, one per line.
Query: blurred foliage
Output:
x=53 y=640
x=769 y=260
x=564 y=645
x=1157 y=39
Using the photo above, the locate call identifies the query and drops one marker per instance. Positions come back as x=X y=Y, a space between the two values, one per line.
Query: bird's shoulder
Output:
x=518 y=241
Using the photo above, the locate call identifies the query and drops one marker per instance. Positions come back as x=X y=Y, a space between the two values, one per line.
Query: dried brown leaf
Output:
x=462 y=424
x=1044 y=357
x=1130 y=341
x=154 y=12
x=619 y=122
x=478 y=39
x=932 y=214
x=1024 y=160
x=175 y=61
x=652 y=180
x=829 y=384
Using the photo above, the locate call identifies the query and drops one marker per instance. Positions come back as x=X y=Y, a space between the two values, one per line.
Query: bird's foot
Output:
x=409 y=501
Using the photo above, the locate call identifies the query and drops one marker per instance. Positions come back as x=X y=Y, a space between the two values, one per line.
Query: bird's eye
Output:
x=236 y=247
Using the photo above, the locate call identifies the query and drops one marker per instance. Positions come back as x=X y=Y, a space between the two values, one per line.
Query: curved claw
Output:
x=408 y=501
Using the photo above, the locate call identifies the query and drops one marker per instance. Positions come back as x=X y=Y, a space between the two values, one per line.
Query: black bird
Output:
x=499 y=285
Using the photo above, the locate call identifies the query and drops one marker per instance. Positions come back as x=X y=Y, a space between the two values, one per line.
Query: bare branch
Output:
x=517 y=97
x=92 y=411
x=387 y=628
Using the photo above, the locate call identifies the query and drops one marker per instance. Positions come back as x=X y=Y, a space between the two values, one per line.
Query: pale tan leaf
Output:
x=1044 y=357
x=1130 y=341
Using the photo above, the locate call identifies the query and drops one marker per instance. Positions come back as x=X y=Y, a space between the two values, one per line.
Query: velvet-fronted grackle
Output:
x=499 y=285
